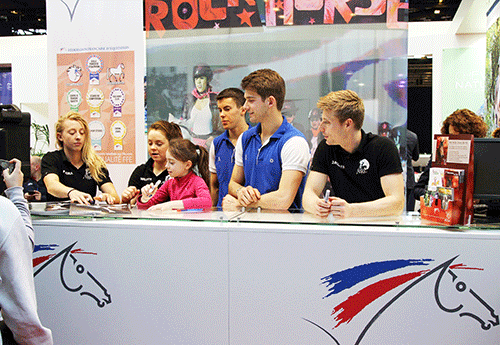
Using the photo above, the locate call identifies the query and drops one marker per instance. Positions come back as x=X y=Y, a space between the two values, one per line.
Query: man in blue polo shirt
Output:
x=221 y=159
x=364 y=168
x=271 y=159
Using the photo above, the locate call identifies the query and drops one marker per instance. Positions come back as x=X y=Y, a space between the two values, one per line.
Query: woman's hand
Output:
x=105 y=197
x=79 y=197
x=130 y=194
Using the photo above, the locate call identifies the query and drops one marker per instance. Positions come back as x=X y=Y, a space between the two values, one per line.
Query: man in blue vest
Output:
x=221 y=159
x=364 y=168
x=271 y=159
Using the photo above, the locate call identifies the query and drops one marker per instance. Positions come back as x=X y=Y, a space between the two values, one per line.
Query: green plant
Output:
x=41 y=137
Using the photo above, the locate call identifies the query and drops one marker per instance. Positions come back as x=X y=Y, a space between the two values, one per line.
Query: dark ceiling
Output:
x=27 y=17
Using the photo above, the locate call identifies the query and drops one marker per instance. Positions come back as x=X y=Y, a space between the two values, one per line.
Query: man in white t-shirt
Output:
x=271 y=159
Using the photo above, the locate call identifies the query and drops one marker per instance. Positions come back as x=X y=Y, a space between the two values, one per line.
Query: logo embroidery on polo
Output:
x=337 y=164
x=87 y=176
x=69 y=173
x=364 y=165
x=147 y=179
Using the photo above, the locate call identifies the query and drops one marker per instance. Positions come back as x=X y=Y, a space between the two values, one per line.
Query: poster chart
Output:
x=100 y=86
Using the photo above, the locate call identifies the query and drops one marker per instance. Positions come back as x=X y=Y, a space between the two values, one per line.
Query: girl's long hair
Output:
x=95 y=163
x=184 y=150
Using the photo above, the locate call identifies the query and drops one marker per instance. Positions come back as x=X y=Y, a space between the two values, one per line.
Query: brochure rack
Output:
x=449 y=195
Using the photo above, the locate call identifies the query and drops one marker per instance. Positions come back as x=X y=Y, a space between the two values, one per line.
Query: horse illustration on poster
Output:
x=116 y=73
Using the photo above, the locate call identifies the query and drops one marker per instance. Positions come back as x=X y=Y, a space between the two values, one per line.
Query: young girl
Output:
x=185 y=189
x=154 y=171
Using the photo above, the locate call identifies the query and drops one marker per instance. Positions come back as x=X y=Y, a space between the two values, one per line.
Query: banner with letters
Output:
x=161 y=15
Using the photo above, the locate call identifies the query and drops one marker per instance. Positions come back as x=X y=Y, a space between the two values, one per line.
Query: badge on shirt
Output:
x=364 y=165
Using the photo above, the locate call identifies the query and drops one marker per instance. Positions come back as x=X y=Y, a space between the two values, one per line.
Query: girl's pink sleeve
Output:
x=160 y=196
x=202 y=199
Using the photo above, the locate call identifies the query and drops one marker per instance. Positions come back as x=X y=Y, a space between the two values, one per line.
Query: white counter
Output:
x=203 y=279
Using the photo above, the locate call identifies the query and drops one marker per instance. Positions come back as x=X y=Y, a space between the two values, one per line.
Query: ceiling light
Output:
x=437 y=11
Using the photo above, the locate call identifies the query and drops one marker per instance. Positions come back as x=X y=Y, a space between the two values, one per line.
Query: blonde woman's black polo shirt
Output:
x=56 y=162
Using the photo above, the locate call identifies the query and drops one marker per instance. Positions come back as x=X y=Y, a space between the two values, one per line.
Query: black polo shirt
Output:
x=55 y=162
x=356 y=177
x=143 y=174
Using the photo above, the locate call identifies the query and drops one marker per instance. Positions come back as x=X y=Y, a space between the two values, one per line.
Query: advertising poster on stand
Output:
x=100 y=87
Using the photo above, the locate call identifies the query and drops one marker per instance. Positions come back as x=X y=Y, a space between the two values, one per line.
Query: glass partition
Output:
x=258 y=216
x=313 y=60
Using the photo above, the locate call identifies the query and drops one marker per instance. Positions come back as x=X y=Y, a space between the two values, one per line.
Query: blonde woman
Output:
x=75 y=171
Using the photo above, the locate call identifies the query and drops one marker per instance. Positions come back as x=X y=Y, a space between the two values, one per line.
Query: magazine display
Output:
x=448 y=199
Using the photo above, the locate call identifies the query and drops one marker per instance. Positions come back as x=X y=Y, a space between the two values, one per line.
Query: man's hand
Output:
x=16 y=178
x=340 y=208
x=322 y=208
x=230 y=203
x=247 y=195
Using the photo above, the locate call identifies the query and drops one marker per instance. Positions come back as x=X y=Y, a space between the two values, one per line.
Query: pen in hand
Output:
x=327 y=195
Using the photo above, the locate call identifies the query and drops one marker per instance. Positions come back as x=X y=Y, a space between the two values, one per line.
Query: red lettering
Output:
x=207 y=12
x=341 y=6
x=392 y=14
x=191 y=21
x=154 y=19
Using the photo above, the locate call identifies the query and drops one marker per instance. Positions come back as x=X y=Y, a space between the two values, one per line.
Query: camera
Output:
x=6 y=164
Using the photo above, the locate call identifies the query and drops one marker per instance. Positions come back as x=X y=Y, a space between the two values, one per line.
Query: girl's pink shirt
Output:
x=191 y=189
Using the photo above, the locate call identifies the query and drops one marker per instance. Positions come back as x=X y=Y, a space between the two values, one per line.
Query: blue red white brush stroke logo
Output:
x=74 y=276
x=415 y=271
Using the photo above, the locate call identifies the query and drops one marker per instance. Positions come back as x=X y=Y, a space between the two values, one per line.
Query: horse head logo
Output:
x=466 y=302
x=76 y=278
x=477 y=308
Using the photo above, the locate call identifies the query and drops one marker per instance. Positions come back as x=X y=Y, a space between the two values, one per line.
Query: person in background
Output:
x=34 y=188
x=412 y=154
x=160 y=134
x=185 y=190
x=17 y=288
x=200 y=107
x=314 y=135
x=462 y=121
x=221 y=156
x=75 y=171
x=272 y=158
x=496 y=133
x=289 y=110
x=364 y=168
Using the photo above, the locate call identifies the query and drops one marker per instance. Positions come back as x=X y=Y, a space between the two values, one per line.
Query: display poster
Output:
x=463 y=80
x=5 y=87
x=492 y=111
x=100 y=86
